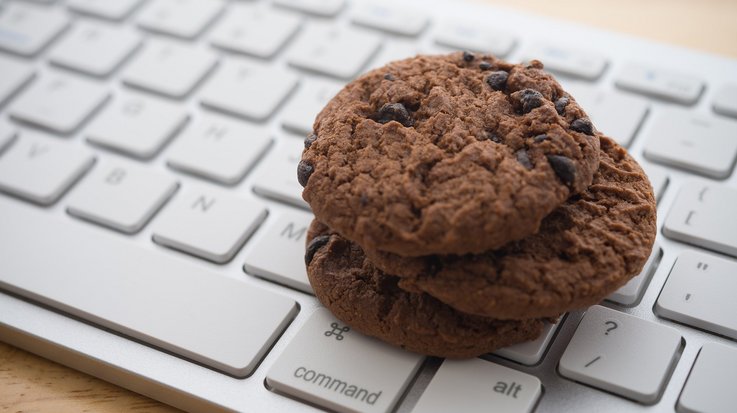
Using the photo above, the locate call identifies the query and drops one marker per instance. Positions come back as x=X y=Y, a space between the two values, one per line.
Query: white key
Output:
x=660 y=83
x=703 y=215
x=725 y=102
x=312 y=95
x=332 y=50
x=609 y=349
x=476 y=385
x=700 y=292
x=219 y=149
x=326 y=8
x=161 y=300
x=658 y=179
x=121 y=196
x=571 y=62
x=330 y=365
x=136 y=125
x=390 y=18
x=254 y=30
x=208 y=223
x=111 y=10
x=394 y=50
x=277 y=175
x=530 y=352
x=466 y=35
x=181 y=18
x=243 y=89
x=169 y=68
x=286 y=234
x=40 y=169
x=7 y=134
x=94 y=48
x=26 y=29
x=630 y=294
x=59 y=102
x=710 y=385
x=616 y=114
x=15 y=74
x=701 y=144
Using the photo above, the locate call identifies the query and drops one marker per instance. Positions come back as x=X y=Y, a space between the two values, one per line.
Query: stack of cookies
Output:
x=462 y=201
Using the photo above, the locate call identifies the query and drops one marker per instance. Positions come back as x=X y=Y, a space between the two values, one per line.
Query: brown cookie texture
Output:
x=585 y=250
x=446 y=155
x=371 y=302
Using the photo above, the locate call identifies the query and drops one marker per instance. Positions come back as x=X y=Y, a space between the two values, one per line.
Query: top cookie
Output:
x=448 y=154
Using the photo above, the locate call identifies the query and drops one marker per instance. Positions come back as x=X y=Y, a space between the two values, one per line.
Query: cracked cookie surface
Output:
x=448 y=154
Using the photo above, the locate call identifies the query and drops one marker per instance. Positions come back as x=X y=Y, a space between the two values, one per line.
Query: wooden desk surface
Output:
x=31 y=383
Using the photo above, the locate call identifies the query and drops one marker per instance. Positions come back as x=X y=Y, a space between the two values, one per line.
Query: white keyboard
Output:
x=152 y=229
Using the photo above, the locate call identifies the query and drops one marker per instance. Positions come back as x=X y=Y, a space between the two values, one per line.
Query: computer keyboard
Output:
x=152 y=228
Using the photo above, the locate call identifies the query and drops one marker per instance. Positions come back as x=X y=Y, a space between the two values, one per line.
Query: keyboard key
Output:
x=390 y=18
x=629 y=295
x=326 y=8
x=571 y=62
x=701 y=144
x=530 y=352
x=181 y=18
x=710 y=385
x=15 y=74
x=7 y=134
x=40 y=169
x=616 y=114
x=312 y=95
x=660 y=83
x=658 y=179
x=702 y=215
x=394 y=50
x=219 y=149
x=93 y=48
x=286 y=234
x=465 y=35
x=277 y=176
x=136 y=125
x=609 y=349
x=58 y=102
x=700 y=292
x=725 y=102
x=243 y=89
x=121 y=196
x=106 y=9
x=26 y=29
x=169 y=68
x=158 y=299
x=254 y=30
x=208 y=223
x=336 y=368
x=335 y=51
x=476 y=385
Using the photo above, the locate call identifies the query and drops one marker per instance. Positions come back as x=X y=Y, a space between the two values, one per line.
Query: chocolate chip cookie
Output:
x=585 y=250
x=450 y=154
x=371 y=302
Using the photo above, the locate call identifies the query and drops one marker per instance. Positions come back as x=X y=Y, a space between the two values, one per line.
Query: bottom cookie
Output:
x=371 y=302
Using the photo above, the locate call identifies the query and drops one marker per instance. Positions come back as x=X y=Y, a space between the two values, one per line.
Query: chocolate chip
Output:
x=498 y=80
x=540 y=138
x=468 y=56
x=314 y=245
x=363 y=200
x=583 y=125
x=394 y=111
x=484 y=65
x=524 y=159
x=310 y=140
x=389 y=76
x=564 y=168
x=528 y=99
x=493 y=136
x=304 y=171
x=560 y=105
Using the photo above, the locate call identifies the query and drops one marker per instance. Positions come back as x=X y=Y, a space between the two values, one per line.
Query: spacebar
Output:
x=159 y=299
